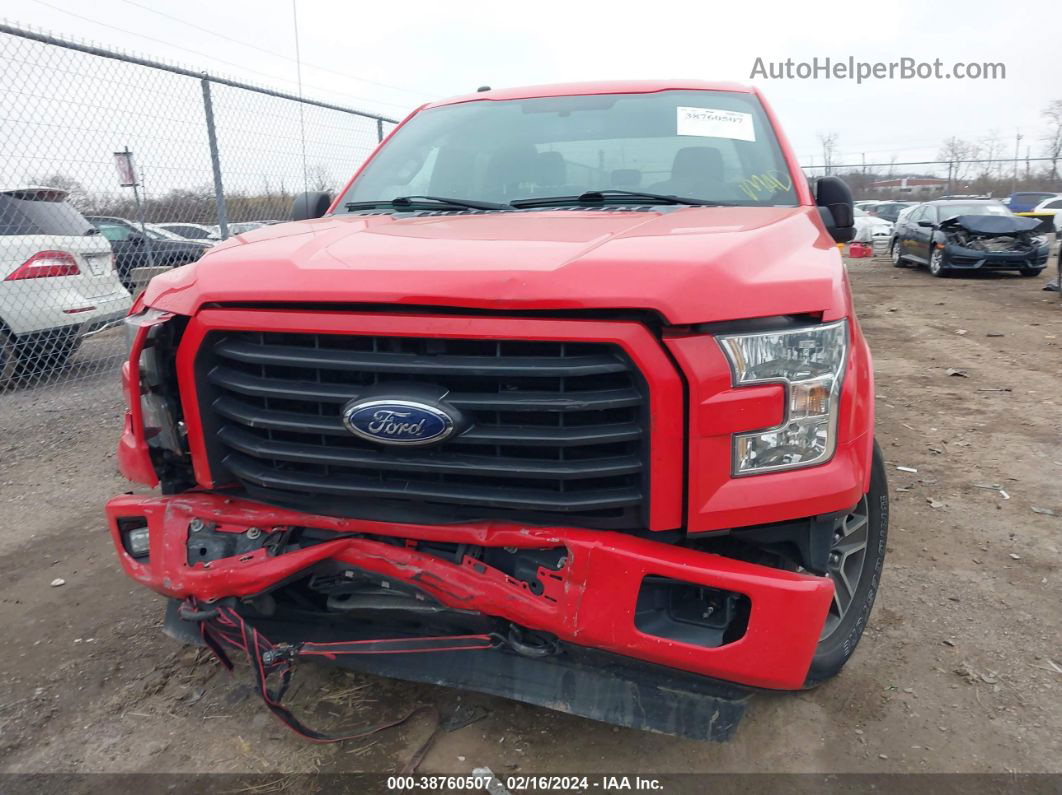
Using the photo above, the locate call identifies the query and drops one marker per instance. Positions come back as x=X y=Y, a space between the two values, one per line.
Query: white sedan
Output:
x=1052 y=206
x=57 y=282
x=870 y=228
x=205 y=234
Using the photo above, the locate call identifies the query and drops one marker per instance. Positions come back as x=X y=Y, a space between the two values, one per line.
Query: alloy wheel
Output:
x=936 y=262
x=845 y=564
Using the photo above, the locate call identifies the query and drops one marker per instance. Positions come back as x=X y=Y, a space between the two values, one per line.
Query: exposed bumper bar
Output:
x=584 y=682
x=589 y=602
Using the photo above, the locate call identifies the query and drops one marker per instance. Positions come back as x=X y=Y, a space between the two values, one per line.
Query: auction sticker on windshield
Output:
x=711 y=123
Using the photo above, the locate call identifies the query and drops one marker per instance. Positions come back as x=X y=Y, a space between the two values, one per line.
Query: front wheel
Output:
x=854 y=565
x=898 y=259
x=936 y=263
x=1028 y=273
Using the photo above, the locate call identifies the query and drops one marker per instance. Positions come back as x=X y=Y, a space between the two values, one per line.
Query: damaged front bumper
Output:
x=962 y=257
x=560 y=589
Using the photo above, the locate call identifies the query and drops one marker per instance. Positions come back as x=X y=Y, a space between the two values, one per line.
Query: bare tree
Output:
x=991 y=151
x=958 y=153
x=829 y=146
x=1053 y=137
x=319 y=177
x=77 y=194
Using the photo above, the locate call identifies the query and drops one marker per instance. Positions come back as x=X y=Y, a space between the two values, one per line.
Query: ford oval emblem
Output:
x=398 y=422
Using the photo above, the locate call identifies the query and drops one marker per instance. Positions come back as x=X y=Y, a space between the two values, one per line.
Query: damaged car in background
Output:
x=950 y=236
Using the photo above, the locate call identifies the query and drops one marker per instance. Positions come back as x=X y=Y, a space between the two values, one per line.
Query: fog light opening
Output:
x=691 y=613
x=136 y=537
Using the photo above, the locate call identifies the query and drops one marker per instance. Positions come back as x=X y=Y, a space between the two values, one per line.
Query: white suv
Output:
x=57 y=281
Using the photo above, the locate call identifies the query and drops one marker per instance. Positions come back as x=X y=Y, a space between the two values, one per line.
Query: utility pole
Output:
x=1017 y=156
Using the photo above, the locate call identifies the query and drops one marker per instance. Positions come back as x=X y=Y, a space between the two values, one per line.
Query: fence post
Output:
x=215 y=161
x=379 y=130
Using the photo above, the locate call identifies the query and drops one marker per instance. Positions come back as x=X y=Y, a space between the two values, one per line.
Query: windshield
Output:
x=889 y=211
x=188 y=232
x=714 y=146
x=113 y=232
x=955 y=210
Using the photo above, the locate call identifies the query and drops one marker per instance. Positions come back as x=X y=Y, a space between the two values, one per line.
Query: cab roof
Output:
x=601 y=87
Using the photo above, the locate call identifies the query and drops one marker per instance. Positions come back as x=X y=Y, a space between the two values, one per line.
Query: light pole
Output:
x=127 y=178
x=1017 y=156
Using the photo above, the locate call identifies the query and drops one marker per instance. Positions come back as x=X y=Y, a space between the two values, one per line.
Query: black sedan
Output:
x=889 y=211
x=133 y=250
x=967 y=235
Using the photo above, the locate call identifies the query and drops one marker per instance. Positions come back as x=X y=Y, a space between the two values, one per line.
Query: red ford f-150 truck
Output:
x=563 y=398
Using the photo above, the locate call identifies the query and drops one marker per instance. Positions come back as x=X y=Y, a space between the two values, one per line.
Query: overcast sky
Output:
x=390 y=57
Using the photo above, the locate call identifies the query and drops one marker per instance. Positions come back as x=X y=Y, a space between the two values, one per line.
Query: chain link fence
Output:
x=114 y=168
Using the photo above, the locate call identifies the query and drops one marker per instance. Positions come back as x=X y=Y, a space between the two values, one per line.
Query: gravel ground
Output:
x=960 y=669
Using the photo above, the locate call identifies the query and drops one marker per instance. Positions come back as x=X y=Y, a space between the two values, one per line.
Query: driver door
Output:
x=922 y=236
x=906 y=231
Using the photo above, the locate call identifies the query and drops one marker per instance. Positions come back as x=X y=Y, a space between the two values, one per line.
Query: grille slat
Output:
x=455 y=464
x=556 y=431
x=268 y=419
x=244 y=384
x=485 y=496
x=374 y=362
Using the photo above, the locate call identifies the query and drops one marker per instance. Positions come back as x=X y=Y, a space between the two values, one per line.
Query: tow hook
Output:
x=531 y=644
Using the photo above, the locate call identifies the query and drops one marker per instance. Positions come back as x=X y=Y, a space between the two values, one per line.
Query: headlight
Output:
x=148 y=317
x=157 y=409
x=809 y=362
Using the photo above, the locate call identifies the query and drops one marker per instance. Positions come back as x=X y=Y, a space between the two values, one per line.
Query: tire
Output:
x=1029 y=273
x=844 y=625
x=8 y=359
x=898 y=259
x=61 y=355
x=936 y=263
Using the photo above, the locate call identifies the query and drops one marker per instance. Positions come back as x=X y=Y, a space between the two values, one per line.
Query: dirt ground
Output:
x=960 y=669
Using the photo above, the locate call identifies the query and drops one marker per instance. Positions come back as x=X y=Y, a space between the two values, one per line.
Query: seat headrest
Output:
x=552 y=170
x=698 y=163
x=453 y=173
x=512 y=167
x=626 y=178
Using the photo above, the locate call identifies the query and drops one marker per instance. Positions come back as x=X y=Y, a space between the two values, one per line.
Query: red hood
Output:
x=691 y=265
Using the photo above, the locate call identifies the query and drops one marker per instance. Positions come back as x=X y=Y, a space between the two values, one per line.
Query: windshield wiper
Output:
x=599 y=196
x=429 y=202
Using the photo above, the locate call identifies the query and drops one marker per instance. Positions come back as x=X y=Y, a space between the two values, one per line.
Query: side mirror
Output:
x=835 y=208
x=926 y=223
x=312 y=204
x=136 y=238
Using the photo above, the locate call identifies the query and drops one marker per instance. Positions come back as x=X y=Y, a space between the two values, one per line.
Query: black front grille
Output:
x=558 y=434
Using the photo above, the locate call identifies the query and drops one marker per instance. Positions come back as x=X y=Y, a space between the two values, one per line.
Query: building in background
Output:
x=915 y=186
